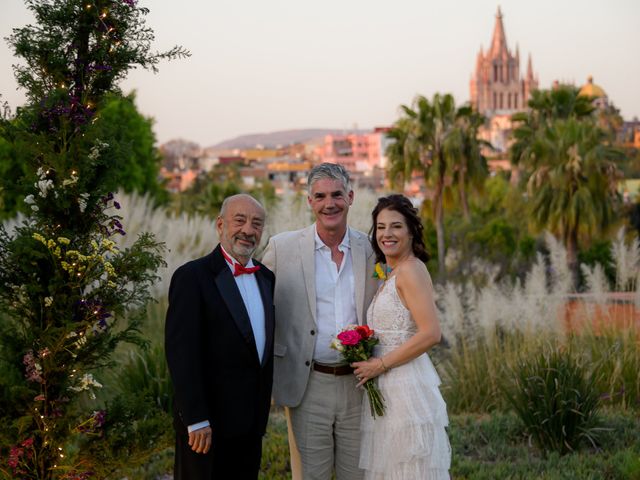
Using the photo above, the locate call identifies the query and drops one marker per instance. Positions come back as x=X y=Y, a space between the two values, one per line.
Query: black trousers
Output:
x=236 y=458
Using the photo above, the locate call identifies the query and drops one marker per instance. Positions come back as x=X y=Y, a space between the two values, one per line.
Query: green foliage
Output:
x=439 y=141
x=488 y=447
x=569 y=166
x=497 y=233
x=617 y=352
x=134 y=429
x=556 y=399
x=275 y=448
x=83 y=46
x=493 y=446
x=13 y=170
x=599 y=253
x=133 y=158
x=474 y=366
x=209 y=190
x=68 y=295
x=143 y=369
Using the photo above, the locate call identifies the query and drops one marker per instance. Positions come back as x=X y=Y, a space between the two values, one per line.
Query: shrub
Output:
x=556 y=399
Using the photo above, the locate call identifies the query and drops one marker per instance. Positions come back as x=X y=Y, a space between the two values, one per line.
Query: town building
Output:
x=498 y=89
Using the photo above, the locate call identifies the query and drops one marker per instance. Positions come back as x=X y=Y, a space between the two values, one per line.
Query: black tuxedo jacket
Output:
x=211 y=351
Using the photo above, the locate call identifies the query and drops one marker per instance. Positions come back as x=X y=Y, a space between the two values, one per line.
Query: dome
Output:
x=590 y=89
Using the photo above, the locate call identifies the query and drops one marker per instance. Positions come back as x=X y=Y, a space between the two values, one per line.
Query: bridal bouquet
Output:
x=355 y=343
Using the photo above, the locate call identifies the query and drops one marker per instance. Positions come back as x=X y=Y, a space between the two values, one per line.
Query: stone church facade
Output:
x=497 y=87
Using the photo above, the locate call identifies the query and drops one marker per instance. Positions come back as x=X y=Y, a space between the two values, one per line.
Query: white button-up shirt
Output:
x=335 y=298
x=250 y=292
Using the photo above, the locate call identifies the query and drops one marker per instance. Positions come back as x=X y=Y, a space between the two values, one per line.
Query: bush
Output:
x=556 y=399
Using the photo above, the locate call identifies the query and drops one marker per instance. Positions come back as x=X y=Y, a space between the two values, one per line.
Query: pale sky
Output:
x=266 y=65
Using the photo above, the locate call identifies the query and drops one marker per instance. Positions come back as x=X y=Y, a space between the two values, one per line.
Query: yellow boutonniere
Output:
x=381 y=272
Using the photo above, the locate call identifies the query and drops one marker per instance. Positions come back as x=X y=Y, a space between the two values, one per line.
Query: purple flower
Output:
x=33 y=368
x=99 y=418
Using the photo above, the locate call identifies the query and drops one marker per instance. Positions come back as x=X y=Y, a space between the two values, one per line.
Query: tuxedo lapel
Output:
x=231 y=295
x=359 y=260
x=307 y=247
x=269 y=320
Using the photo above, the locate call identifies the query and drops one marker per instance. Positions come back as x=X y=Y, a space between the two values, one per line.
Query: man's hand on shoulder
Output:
x=200 y=440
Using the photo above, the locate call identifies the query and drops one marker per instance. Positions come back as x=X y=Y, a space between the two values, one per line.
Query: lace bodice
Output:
x=389 y=318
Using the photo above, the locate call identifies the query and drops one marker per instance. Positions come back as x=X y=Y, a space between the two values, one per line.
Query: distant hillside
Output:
x=281 y=138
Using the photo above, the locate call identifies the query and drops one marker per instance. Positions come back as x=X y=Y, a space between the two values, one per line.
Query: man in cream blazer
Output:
x=324 y=282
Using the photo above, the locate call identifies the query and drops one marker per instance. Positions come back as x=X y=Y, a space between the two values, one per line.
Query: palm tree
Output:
x=569 y=165
x=470 y=164
x=425 y=142
x=573 y=182
x=561 y=102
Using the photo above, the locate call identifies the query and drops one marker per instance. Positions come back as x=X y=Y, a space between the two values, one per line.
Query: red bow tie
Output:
x=239 y=269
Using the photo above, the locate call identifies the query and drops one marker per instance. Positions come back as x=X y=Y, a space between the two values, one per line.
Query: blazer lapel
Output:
x=231 y=295
x=307 y=256
x=269 y=320
x=359 y=260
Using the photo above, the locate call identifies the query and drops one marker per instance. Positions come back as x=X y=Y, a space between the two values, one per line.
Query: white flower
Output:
x=44 y=186
x=95 y=151
x=48 y=301
x=29 y=200
x=82 y=201
x=336 y=345
x=70 y=181
x=87 y=382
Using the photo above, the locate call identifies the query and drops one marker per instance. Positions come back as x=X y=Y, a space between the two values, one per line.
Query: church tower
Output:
x=497 y=88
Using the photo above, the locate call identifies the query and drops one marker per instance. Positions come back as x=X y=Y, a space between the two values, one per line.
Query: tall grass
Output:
x=489 y=328
x=556 y=398
x=188 y=237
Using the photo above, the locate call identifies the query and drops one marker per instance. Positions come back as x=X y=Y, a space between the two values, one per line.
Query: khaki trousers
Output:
x=325 y=429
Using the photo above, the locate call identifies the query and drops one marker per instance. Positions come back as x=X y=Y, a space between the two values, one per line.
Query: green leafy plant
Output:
x=68 y=294
x=556 y=399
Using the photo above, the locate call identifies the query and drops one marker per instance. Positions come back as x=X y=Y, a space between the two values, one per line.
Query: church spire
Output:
x=499 y=41
x=529 y=68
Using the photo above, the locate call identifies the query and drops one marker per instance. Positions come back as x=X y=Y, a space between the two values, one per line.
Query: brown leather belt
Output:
x=337 y=370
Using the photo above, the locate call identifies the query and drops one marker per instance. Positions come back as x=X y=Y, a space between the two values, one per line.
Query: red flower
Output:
x=28 y=442
x=364 y=331
x=349 y=337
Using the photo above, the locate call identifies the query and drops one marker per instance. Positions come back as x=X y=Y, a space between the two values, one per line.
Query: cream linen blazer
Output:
x=290 y=255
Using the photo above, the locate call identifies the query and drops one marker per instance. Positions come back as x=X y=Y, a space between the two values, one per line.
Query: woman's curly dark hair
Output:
x=401 y=204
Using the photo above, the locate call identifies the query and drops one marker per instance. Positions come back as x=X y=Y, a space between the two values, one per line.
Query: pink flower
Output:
x=349 y=337
x=28 y=442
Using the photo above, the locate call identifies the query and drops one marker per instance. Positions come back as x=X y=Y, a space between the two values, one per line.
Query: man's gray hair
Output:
x=332 y=171
x=230 y=199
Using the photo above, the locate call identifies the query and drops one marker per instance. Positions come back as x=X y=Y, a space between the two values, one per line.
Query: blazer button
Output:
x=313 y=332
x=307 y=363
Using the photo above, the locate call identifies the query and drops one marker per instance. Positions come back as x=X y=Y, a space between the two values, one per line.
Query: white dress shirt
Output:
x=250 y=292
x=335 y=298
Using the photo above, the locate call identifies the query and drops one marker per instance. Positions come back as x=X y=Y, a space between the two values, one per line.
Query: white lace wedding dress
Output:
x=409 y=442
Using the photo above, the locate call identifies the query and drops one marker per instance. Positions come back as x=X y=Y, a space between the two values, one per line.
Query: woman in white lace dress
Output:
x=410 y=441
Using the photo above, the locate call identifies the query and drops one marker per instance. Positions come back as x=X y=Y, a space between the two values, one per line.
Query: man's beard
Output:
x=241 y=250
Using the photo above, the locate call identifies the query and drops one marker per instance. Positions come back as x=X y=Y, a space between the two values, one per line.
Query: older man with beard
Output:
x=219 y=347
